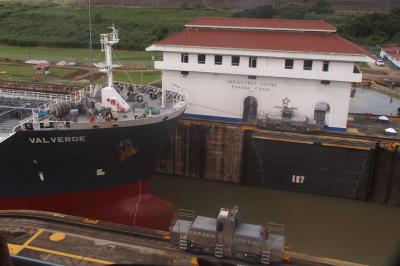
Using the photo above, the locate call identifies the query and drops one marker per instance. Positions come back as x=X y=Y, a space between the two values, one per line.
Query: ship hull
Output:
x=97 y=173
x=124 y=204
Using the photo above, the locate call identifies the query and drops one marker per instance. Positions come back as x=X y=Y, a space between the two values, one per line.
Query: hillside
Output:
x=64 y=23
x=56 y=24
x=346 y=5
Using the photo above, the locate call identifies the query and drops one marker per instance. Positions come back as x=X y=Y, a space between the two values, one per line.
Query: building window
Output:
x=325 y=66
x=218 y=59
x=235 y=60
x=325 y=82
x=251 y=77
x=253 y=62
x=184 y=73
x=356 y=69
x=201 y=58
x=185 y=58
x=307 y=65
x=289 y=63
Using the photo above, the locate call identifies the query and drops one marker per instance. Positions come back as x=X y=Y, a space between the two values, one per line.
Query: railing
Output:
x=177 y=100
x=34 y=119
x=31 y=95
x=292 y=124
x=276 y=229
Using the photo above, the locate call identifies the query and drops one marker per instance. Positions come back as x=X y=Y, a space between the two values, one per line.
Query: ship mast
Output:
x=107 y=41
x=109 y=96
x=90 y=44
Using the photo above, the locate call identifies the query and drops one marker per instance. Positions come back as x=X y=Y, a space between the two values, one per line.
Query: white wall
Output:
x=223 y=95
x=271 y=67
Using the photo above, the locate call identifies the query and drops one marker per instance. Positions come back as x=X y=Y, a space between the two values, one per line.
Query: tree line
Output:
x=365 y=28
x=59 y=24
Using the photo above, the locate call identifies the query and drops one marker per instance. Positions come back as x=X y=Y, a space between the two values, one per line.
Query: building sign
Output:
x=252 y=85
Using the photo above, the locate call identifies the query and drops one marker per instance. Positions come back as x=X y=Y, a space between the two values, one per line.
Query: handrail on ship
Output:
x=31 y=95
x=76 y=96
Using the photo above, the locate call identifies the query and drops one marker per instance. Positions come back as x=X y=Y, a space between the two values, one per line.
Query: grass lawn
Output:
x=26 y=74
x=142 y=59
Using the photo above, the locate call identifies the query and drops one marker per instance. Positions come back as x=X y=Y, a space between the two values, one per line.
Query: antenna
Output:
x=90 y=44
x=107 y=41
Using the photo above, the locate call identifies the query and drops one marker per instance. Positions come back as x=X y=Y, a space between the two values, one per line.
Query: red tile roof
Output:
x=277 y=24
x=264 y=40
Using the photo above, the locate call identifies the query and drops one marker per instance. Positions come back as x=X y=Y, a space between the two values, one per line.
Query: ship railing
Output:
x=37 y=125
x=35 y=118
x=31 y=95
x=22 y=122
x=177 y=98
x=6 y=137
x=42 y=96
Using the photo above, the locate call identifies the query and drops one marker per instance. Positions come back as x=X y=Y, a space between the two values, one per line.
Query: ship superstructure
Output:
x=88 y=153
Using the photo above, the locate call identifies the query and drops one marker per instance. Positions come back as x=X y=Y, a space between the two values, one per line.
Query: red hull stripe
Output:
x=130 y=204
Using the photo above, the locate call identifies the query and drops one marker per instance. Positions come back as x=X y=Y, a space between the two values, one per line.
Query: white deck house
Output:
x=233 y=69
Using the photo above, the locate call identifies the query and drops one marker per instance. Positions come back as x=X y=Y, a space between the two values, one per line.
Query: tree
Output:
x=258 y=12
x=396 y=11
x=322 y=7
x=184 y=6
x=292 y=11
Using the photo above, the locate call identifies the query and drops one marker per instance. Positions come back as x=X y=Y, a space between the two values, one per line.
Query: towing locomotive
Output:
x=225 y=236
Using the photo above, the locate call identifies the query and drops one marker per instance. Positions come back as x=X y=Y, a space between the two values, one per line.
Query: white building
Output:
x=391 y=52
x=232 y=68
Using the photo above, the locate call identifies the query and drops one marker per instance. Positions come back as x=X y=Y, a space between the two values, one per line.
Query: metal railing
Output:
x=34 y=119
x=32 y=95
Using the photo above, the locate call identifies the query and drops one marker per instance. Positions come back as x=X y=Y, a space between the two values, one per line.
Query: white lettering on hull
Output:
x=41 y=176
x=73 y=139
x=100 y=172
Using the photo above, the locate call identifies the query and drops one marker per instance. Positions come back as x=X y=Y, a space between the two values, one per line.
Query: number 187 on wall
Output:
x=298 y=179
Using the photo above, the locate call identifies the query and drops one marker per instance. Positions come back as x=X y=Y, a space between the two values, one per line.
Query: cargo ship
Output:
x=89 y=153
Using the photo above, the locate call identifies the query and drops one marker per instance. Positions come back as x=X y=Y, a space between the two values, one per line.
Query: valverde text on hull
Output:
x=90 y=153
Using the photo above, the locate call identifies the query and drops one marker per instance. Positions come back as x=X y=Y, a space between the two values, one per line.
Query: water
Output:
x=357 y=231
x=370 y=101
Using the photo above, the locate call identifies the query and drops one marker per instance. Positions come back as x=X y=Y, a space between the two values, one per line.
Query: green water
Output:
x=356 y=231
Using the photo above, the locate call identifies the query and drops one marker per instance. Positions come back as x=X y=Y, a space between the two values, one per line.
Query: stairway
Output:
x=219 y=250
x=183 y=241
x=266 y=253
x=219 y=246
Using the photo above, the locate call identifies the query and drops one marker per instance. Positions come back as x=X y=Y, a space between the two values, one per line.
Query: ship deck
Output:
x=16 y=106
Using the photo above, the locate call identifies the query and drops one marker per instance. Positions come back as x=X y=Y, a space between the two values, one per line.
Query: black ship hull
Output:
x=100 y=173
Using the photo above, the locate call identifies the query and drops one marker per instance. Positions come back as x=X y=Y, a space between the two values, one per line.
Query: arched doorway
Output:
x=320 y=111
x=250 y=106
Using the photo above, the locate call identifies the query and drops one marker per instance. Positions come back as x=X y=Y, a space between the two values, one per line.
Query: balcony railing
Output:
x=277 y=122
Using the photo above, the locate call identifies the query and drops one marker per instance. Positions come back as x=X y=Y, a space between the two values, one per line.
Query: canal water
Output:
x=357 y=231
x=370 y=101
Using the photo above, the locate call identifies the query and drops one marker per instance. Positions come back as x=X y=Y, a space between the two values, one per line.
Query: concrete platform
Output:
x=67 y=242
x=57 y=239
x=369 y=126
